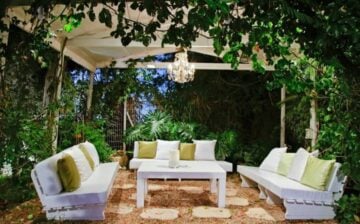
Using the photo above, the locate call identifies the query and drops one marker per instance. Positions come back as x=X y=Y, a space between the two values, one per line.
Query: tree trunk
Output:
x=313 y=121
x=53 y=121
x=282 y=116
x=50 y=77
x=4 y=36
x=89 y=96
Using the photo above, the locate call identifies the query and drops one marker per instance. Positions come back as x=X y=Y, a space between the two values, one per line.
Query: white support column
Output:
x=282 y=116
x=124 y=123
x=90 y=94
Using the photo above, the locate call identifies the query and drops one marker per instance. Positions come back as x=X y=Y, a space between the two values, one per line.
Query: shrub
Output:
x=94 y=133
x=348 y=209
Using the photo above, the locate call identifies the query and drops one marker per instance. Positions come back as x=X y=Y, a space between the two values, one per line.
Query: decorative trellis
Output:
x=115 y=126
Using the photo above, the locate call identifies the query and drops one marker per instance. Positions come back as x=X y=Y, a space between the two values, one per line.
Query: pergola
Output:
x=91 y=46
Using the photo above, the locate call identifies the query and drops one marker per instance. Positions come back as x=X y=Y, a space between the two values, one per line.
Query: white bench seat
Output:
x=88 y=202
x=94 y=190
x=300 y=201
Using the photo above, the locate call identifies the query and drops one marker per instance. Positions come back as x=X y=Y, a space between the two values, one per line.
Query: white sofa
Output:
x=135 y=162
x=300 y=201
x=86 y=203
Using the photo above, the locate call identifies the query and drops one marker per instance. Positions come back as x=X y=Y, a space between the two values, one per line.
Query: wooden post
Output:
x=54 y=115
x=282 y=116
x=124 y=123
x=89 y=96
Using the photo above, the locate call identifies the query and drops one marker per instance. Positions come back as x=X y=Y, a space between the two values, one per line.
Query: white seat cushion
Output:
x=284 y=187
x=136 y=162
x=164 y=147
x=227 y=166
x=94 y=190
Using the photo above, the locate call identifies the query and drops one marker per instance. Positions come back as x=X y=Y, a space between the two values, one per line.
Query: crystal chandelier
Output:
x=181 y=70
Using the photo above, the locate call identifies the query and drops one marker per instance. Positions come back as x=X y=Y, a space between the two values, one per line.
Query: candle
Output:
x=174 y=157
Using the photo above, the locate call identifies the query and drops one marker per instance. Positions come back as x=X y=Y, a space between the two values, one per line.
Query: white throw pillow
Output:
x=298 y=164
x=136 y=149
x=164 y=147
x=93 y=152
x=205 y=149
x=81 y=162
x=272 y=160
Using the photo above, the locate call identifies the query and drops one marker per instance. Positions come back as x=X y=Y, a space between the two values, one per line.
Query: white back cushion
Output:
x=81 y=162
x=272 y=160
x=136 y=149
x=298 y=164
x=205 y=149
x=92 y=151
x=46 y=173
x=164 y=147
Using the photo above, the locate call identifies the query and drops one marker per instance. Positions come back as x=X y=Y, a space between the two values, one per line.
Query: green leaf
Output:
x=68 y=27
x=125 y=40
x=134 y=5
x=228 y=57
x=91 y=15
x=105 y=17
x=327 y=118
x=218 y=47
x=299 y=30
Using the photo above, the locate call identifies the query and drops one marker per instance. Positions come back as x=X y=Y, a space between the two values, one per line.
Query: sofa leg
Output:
x=91 y=212
x=246 y=182
x=262 y=194
x=213 y=185
x=308 y=210
x=272 y=199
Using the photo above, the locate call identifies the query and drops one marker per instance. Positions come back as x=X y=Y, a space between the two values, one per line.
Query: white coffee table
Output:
x=187 y=170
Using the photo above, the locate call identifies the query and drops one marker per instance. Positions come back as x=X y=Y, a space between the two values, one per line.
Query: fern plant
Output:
x=160 y=125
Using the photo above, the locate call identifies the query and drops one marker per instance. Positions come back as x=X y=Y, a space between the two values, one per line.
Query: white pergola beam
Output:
x=112 y=42
x=198 y=66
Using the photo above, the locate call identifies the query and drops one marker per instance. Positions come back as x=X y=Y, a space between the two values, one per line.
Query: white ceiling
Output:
x=92 y=46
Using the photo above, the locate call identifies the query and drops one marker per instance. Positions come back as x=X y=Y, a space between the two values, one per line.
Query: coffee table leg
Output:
x=213 y=187
x=221 y=192
x=140 y=194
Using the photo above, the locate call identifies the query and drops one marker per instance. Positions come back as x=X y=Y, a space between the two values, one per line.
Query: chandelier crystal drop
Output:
x=181 y=70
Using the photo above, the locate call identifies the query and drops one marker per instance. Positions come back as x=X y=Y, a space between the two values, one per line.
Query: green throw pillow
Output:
x=87 y=156
x=187 y=151
x=147 y=150
x=285 y=163
x=317 y=172
x=68 y=173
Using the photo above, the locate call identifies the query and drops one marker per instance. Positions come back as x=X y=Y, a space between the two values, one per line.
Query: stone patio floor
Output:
x=171 y=201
